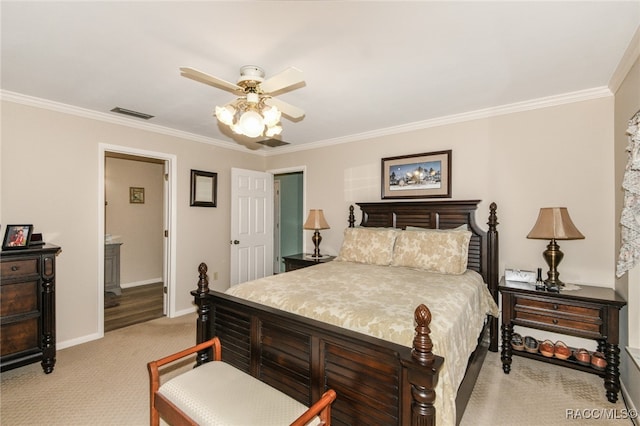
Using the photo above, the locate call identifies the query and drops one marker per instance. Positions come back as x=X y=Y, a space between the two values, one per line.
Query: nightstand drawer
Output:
x=561 y=307
x=559 y=316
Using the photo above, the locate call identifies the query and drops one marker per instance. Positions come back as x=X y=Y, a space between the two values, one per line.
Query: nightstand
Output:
x=301 y=260
x=590 y=313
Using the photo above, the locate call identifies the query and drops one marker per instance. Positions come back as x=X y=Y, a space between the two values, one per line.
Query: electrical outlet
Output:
x=215 y=276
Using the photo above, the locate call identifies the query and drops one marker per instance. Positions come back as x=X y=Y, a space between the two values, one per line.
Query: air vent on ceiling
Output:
x=132 y=113
x=273 y=142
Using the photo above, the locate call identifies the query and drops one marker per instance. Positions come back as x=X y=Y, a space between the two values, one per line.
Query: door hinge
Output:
x=164 y=289
x=166 y=177
x=166 y=233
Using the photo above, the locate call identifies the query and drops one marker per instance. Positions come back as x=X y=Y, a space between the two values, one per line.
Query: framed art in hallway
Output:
x=426 y=175
x=17 y=237
x=136 y=195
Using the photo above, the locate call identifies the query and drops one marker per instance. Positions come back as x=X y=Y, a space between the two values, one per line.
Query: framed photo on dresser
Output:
x=17 y=237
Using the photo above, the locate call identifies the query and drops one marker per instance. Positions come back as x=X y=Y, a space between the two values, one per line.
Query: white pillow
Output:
x=373 y=246
x=444 y=251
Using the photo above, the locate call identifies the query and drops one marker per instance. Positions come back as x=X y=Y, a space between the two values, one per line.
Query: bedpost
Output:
x=493 y=274
x=203 y=330
x=352 y=217
x=423 y=370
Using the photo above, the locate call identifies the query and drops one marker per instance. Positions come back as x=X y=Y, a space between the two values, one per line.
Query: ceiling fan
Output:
x=256 y=112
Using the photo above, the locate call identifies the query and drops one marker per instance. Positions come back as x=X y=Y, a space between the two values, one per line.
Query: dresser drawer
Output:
x=18 y=298
x=559 y=316
x=19 y=336
x=18 y=268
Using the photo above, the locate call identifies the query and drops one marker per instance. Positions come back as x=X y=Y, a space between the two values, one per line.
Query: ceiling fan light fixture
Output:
x=253 y=98
x=273 y=131
x=271 y=116
x=225 y=114
x=251 y=123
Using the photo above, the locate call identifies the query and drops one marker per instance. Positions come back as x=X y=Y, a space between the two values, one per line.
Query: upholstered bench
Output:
x=216 y=393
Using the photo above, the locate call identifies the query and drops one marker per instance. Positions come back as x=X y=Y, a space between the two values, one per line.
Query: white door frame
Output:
x=276 y=226
x=170 y=215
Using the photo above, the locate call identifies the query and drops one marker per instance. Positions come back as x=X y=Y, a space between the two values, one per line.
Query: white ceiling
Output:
x=371 y=67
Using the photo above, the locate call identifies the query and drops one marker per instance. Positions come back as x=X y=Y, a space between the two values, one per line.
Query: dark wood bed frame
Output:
x=377 y=382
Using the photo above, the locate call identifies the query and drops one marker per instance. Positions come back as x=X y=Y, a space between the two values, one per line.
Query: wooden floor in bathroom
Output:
x=133 y=306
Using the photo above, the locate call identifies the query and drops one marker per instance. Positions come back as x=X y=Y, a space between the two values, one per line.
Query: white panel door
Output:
x=251 y=225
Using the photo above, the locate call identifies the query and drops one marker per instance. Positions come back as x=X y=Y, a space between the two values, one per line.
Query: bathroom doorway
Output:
x=137 y=251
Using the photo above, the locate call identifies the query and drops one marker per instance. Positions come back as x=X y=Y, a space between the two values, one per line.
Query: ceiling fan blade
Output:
x=287 y=78
x=201 y=77
x=285 y=108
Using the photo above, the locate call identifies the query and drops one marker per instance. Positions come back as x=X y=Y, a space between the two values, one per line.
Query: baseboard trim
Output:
x=629 y=403
x=80 y=340
x=143 y=282
x=187 y=311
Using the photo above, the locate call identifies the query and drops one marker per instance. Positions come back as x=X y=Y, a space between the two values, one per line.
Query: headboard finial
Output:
x=203 y=281
x=352 y=217
x=493 y=217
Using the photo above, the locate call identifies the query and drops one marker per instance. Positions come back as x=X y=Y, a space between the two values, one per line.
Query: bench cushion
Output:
x=217 y=393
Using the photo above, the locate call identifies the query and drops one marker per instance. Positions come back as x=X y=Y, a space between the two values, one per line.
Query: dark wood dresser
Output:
x=28 y=307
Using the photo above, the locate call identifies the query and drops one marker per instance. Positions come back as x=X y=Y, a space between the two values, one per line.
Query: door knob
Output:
x=235 y=242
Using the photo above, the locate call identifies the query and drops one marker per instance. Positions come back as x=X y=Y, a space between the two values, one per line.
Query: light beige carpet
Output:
x=536 y=393
x=105 y=382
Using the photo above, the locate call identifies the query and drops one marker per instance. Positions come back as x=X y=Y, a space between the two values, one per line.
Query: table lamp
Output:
x=315 y=221
x=554 y=224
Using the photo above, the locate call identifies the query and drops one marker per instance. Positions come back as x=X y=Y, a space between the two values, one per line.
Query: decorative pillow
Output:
x=368 y=245
x=445 y=251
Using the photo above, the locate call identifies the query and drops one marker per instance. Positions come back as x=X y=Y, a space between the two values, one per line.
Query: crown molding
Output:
x=578 y=96
x=550 y=101
x=33 y=101
x=629 y=57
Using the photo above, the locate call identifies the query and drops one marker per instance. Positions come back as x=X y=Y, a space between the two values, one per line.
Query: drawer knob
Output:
x=15 y=268
x=555 y=321
x=555 y=307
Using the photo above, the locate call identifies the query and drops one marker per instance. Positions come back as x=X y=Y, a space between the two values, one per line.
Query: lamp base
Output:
x=316 y=242
x=552 y=255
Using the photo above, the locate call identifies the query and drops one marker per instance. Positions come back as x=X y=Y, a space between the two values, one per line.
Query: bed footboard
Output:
x=377 y=382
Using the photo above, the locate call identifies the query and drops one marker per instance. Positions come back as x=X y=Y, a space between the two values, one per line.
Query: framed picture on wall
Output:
x=136 y=195
x=204 y=189
x=426 y=175
x=17 y=237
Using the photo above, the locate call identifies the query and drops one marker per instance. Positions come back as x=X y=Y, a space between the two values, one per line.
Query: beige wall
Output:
x=554 y=156
x=626 y=105
x=558 y=156
x=50 y=178
x=139 y=227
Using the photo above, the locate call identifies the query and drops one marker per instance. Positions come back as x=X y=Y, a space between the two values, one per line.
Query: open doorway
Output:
x=136 y=218
x=288 y=215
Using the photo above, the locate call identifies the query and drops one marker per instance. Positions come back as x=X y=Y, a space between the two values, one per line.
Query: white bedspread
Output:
x=380 y=301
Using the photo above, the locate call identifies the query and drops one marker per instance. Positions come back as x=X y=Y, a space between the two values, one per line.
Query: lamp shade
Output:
x=316 y=220
x=554 y=223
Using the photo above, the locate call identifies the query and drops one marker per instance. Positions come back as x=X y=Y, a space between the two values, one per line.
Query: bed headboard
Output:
x=483 y=247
